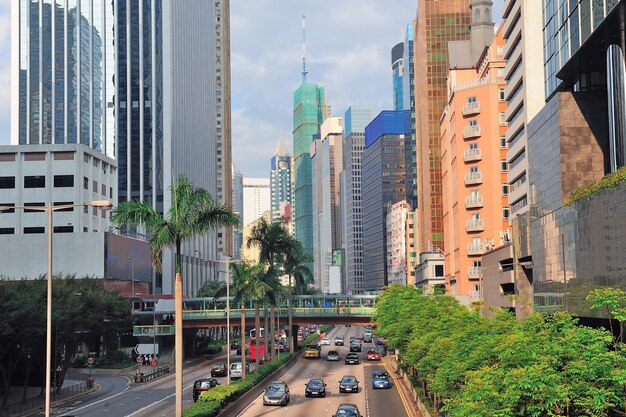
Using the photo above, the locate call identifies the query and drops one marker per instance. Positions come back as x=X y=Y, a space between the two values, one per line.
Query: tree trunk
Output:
x=178 y=326
x=243 y=342
x=291 y=344
x=268 y=333
x=27 y=378
x=257 y=325
x=274 y=328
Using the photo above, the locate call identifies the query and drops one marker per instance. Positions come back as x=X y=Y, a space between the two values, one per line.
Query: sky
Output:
x=348 y=52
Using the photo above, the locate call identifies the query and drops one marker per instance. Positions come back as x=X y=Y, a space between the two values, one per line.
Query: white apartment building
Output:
x=256 y=199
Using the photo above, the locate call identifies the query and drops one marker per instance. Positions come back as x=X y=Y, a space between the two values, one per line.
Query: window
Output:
x=63 y=229
x=7 y=231
x=478 y=264
x=64 y=203
x=439 y=271
x=85 y=183
x=7 y=182
x=501 y=94
x=508 y=288
x=503 y=142
x=505 y=190
x=26 y=210
x=506 y=213
x=35 y=181
x=104 y=190
x=32 y=230
x=473 y=123
x=471 y=99
x=95 y=186
x=61 y=181
x=502 y=119
x=473 y=146
x=474 y=169
x=11 y=210
x=503 y=165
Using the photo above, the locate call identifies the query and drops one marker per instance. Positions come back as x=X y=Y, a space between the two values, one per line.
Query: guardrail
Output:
x=140 y=377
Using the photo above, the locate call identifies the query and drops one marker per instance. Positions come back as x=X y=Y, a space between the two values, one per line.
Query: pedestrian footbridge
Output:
x=155 y=317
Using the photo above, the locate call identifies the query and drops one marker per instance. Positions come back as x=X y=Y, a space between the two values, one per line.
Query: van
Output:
x=236 y=370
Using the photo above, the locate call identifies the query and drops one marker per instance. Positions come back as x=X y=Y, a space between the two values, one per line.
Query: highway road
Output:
x=149 y=399
x=371 y=403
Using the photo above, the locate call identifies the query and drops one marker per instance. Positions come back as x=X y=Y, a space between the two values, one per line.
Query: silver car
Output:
x=332 y=355
x=276 y=393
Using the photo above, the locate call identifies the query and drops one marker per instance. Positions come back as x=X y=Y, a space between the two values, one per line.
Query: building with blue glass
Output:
x=397 y=68
x=280 y=183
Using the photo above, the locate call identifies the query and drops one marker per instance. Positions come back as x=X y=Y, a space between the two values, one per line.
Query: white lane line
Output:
x=160 y=401
x=102 y=400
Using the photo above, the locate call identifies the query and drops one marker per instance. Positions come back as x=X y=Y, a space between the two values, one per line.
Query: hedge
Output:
x=609 y=182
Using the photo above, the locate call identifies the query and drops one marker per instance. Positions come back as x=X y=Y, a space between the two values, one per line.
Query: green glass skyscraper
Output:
x=309 y=111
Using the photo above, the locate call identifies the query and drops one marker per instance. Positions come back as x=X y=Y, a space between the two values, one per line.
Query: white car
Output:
x=325 y=342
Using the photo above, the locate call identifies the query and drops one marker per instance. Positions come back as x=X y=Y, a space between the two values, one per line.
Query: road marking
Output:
x=407 y=408
x=160 y=401
x=102 y=400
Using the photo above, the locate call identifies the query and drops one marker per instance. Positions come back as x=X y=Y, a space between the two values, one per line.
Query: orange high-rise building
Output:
x=437 y=23
x=473 y=161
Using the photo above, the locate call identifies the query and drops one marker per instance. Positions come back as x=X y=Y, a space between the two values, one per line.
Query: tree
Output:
x=194 y=212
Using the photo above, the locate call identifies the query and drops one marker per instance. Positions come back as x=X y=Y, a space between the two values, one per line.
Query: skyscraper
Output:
x=256 y=199
x=408 y=96
x=354 y=122
x=280 y=183
x=437 y=22
x=397 y=68
x=238 y=207
x=122 y=77
x=309 y=110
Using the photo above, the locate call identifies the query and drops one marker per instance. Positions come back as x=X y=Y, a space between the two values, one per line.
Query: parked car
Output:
x=352 y=359
x=236 y=370
x=380 y=380
x=218 y=369
x=332 y=355
x=347 y=410
x=276 y=393
x=315 y=388
x=203 y=385
x=373 y=355
x=348 y=383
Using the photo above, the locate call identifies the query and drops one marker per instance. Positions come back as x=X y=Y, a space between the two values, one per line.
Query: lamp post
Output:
x=50 y=208
x=132 y=280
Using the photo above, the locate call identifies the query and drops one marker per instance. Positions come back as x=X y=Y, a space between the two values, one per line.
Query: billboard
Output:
x=338 y=257
x=121 y=252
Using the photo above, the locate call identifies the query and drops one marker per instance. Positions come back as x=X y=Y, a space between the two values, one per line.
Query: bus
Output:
x=253 y=333
x=254 y=349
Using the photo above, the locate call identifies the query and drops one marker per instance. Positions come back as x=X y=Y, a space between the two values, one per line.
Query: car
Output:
x=239 y=351
x=355 y=347
x=360 y=337
x=367 y=338
x=352 y=359
x=218 y=369
x=203 y=385
x=236 y=370
x=380 y=380
x=325 y=341
x=332 y=355
x=348 y=383
x=347 y=410
x=312 y=351
x=315 y=388
x=348 y=325
x=276 y=393
x=354 y=339
x=380 y=374
x=338 y=340
x=373 y=355
x=235 y=346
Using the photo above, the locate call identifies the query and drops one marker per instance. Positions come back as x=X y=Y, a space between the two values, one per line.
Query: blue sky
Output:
x=348 y=51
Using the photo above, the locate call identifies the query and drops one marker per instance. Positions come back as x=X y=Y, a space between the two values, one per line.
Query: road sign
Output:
x=90 y=361
x=146 y=349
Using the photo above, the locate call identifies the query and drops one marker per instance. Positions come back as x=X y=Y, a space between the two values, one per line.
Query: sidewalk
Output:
x=405 y=387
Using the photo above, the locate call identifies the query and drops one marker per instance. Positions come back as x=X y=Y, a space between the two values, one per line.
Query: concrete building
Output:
x=327 y=162
x=396 y=228
x=237 y=194
x=429 y=272
x=354 y=122
x=383 y=184
x=309 y=111
x=256 y=199
x=474 y=167
x=397 y=69
x=497 y=284
x=280 y=182
x=252 y=254
x=408 y=95
x=437 y=23
x=123 y=79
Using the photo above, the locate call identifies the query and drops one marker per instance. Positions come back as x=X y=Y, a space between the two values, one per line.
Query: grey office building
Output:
x=383 y=184
x=145 y=82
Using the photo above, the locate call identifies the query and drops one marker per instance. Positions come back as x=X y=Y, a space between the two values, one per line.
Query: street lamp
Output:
x=50 y=208
x=243 y=348
x=132 y=281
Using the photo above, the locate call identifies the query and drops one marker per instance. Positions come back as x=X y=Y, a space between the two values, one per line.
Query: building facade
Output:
x=436 y=24
x=237 y=188
x=396 y=227
x=397 y=70
x=256 y=199
x=280 y=182
x=383 y=185
x=354 y=122
x=309 y=111
x=327 y=163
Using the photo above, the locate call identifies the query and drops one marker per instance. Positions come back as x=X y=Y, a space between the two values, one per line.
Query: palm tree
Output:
x=247 y=287
x=295 y=266
x=193 y=213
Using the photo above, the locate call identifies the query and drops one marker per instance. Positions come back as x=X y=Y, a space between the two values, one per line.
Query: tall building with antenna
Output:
x=309 y=111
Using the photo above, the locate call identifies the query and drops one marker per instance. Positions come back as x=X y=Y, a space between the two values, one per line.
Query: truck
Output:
x=312 y=351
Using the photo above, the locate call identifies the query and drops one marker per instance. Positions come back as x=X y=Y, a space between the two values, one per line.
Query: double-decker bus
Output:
x=253 y=333
x=257 y=350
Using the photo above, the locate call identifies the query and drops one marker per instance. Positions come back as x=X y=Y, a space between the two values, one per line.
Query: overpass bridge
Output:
x=154 y=317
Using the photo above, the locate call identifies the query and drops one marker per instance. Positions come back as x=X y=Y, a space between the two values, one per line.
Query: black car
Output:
x=315 y=388
x=352 y=359
x=235 y=345
x=347 y=410
x=276 y=393
x=203 y=385
x=349 y=383
x=239 y=351
x=348 y=325
x=218 y=370
x=355 y=347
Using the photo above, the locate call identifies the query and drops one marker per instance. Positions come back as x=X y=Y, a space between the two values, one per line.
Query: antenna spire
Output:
x=305 y=71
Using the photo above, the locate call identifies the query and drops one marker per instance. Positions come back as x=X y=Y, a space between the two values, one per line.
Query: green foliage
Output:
x=498 y=367
x=213 y=289
x=211 y=402
x=609 y=182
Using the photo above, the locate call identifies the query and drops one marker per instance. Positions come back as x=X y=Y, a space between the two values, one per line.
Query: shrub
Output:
x=609 y=182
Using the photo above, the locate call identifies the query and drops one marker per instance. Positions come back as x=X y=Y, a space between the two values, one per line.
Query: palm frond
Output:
x=136 y=213
x=162 y=235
